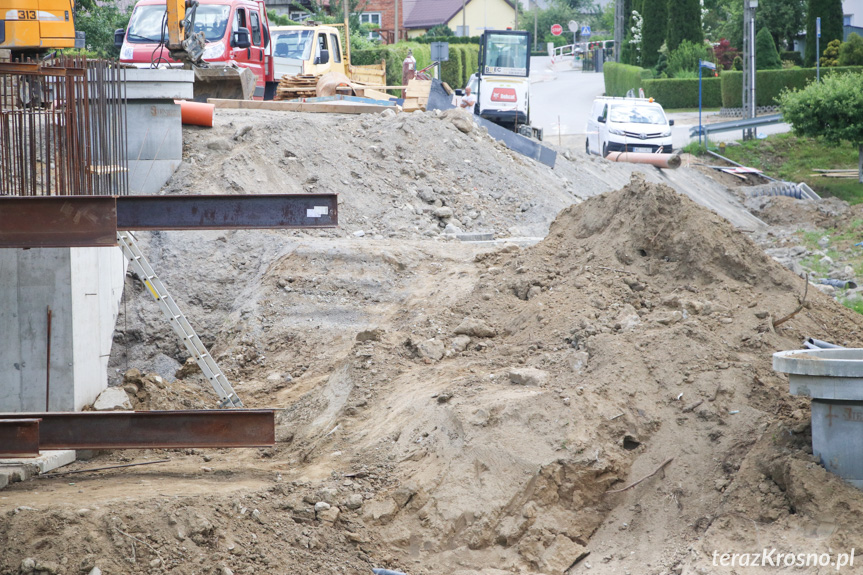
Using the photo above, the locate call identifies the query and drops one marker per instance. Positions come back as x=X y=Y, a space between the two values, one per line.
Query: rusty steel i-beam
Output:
x=19 y=437
x=146 y=429
x=82 y=221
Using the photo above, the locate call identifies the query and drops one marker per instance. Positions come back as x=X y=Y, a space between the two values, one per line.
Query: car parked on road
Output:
x=628 y=125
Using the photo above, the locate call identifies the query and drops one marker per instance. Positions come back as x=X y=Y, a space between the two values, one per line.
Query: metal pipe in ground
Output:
x=668 y=161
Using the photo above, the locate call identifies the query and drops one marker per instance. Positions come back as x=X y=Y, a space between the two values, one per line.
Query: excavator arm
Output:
x=187 y=46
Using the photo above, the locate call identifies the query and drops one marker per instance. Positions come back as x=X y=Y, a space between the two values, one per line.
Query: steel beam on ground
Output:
x=219 y=212
x=19 y=437
x=58 y=221
x=82 y=221
x=153 y=429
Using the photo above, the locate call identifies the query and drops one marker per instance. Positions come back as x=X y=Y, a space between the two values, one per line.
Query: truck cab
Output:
x=307 y=50
x=236 y=32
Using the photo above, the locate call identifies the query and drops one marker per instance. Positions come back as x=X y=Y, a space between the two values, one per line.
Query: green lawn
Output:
x=793 y=158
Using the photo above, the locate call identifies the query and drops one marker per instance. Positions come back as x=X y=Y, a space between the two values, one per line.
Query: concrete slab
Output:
x=47 y=460
x=148 y=176
x=15 y=470
x=146 y=84
x=154 y=131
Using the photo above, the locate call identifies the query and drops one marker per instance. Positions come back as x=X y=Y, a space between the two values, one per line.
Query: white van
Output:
x=628 y=125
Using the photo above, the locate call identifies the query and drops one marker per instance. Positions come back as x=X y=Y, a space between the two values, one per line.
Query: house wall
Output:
x=386 y=8
x=484 y=15
x=854 y=8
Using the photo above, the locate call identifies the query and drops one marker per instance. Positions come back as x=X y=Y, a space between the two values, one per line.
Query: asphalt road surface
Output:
x=561 y=97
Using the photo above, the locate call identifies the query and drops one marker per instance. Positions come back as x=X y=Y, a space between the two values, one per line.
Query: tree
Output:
x=851 y=51
x=653 y=30
x=830 y=12
x=98 y=23
x=784 y=18
x=766 y=56
x=831 y=109
x=724 y=54
x=684 y=23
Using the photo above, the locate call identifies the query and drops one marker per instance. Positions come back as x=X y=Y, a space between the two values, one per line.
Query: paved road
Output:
x=562 y=94
x=559 y=91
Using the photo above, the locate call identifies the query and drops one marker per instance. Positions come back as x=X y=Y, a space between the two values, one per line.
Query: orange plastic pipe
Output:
x=659 y=160
x=196 y=113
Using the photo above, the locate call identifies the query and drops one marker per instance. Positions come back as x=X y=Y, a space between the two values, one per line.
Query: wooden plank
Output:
x=330 y=107
x=375 y=94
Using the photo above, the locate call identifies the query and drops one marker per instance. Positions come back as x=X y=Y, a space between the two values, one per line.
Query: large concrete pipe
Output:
x=659 y=160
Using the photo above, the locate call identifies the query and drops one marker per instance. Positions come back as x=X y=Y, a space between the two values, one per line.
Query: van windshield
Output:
x=145 y=26
x=629 y=114
x=296 y=44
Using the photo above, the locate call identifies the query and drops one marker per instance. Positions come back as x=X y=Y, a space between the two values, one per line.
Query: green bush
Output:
x=683 y=93
x=471 y=61
x=792 y=56
x=770 y=83
x=451 y=39
x=452 y=71
x=685 y=58
x=851 y=51
x=620 y=78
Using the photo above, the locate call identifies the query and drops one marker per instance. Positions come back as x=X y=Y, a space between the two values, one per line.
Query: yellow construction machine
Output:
x=31 y=27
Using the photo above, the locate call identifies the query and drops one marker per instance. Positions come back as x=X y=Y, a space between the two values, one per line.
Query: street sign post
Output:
x=557 y=29
x=818 y=49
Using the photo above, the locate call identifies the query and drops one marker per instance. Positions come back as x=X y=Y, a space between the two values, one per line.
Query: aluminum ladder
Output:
x=179 y=323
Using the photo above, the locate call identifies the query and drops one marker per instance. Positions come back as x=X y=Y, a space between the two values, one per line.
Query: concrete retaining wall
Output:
x=83 y=288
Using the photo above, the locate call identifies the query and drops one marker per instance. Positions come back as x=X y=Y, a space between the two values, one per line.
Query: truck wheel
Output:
x=605 y=150
x=586 y=147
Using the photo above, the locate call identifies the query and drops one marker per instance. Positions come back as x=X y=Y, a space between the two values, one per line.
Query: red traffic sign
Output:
x=557 y=29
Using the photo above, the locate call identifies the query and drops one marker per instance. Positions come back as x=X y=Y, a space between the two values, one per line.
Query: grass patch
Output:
x=793 y=158
x=855 y=304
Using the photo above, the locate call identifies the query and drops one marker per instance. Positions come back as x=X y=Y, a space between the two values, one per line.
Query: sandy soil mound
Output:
x=458 y=409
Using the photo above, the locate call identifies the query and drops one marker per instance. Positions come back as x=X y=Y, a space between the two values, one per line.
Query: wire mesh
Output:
x=63 y=128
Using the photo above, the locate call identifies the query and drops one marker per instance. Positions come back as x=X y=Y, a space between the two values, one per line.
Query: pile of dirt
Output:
x=465 y=409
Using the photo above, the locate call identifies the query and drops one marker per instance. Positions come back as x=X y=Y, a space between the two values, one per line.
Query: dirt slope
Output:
x=454 y=408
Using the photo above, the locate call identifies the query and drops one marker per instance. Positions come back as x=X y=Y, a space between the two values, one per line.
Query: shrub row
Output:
x=463 y=60
x=451 y=39
x=620 y=78
x=725 y=91
x=770 y=83
x=676 y=93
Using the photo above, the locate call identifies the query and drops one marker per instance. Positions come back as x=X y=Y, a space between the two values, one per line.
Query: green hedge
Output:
x=674 y=93
x=394 y=54
x=452 y=71
x=620 y=78
x=451 y=39
x=471 y=62
x=463 y=61
x=770 y=83
x=792 y=56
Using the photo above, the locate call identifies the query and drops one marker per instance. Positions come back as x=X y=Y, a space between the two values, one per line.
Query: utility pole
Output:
x=619 y=23
x=463 y=17
x=516 y=15
x=749 y=7
x=347 y=31
x=396 y=24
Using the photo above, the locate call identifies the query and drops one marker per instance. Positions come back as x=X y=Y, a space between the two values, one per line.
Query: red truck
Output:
x=235 y=32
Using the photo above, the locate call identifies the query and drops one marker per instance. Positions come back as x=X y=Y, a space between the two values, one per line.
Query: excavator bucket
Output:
x=223 y=82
